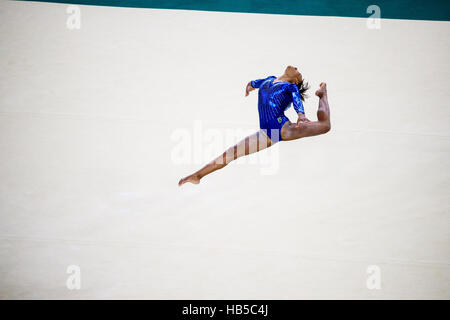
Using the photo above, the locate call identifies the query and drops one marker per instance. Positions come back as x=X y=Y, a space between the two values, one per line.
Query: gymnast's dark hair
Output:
x=302 y=88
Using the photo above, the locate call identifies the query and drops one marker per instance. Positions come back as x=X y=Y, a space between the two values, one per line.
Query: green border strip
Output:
x=390 y=9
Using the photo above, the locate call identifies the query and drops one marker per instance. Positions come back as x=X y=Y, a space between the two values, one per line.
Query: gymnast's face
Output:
x=293 y=73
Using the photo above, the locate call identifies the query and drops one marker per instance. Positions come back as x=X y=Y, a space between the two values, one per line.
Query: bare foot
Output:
x=192 y=179
x=322 y=91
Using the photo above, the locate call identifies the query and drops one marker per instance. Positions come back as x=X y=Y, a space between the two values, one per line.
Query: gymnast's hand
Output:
x=248 y=89
x=301 y=119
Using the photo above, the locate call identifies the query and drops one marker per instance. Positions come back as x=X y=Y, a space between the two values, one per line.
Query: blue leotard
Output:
x=273 y=100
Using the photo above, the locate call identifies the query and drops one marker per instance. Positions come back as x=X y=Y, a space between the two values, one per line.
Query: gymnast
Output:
x=275 y=96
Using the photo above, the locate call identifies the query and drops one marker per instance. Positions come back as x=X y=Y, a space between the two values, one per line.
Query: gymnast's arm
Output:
x=255 y=84
x=298 y=105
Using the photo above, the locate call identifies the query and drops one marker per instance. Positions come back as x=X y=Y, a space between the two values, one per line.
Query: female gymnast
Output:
x=275 y=96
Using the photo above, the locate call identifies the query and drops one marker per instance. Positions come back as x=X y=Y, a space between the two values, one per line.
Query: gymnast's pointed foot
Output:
x=322 y=91
x=193 y=178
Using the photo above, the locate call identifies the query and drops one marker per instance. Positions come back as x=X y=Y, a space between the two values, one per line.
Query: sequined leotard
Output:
x=273 y=100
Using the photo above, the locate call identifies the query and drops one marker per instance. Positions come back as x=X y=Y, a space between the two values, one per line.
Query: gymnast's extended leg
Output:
x=251 y=144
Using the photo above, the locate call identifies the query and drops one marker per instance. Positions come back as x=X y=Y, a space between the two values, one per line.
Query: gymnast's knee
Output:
x=326 y=126
x=220 y=163
x=225 y=159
